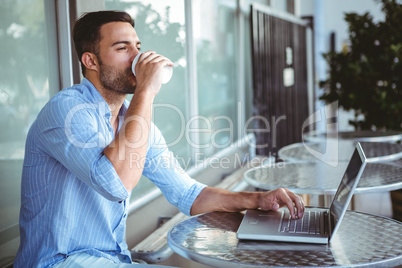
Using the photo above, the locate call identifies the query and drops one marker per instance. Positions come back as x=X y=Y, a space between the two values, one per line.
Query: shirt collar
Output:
x=98 y=98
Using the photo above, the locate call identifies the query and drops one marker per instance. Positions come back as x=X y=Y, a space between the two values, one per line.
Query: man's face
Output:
x=118 y=47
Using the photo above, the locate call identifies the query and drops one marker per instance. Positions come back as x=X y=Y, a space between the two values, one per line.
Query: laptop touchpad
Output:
x=269 y=216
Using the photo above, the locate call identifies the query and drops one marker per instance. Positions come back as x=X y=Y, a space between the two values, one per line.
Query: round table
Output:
x=362 y=240
x=338 y=151
x=368 y=136
x=313 y=177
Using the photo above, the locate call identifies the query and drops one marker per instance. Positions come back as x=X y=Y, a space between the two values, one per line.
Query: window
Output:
x=284 y=5
x=214 y=38
x=28 y=76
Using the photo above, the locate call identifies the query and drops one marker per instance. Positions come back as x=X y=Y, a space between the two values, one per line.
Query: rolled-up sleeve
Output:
x=164 y=171
x=76 y=135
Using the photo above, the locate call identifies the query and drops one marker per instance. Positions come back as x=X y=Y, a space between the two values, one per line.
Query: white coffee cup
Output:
x=166 y=73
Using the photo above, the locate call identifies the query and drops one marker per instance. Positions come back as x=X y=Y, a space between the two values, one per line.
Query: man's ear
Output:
x=90 y=61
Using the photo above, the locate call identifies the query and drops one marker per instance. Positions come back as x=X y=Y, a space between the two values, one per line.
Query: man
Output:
x=78 y=173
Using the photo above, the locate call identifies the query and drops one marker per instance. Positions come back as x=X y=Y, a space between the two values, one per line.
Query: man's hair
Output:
x=86 y=32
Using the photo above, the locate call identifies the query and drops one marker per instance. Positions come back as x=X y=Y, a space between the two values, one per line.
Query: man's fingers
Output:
x=145 y=55
x=278 y=198
x=274 y=206
x=293 y=202
x=154 y=57
x=300 y=207
x=298 y=203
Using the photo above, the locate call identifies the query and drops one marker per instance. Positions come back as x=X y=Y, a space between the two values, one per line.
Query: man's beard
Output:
x=115 y=80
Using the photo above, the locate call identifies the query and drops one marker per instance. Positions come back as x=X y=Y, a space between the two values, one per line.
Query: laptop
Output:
x=318 y=225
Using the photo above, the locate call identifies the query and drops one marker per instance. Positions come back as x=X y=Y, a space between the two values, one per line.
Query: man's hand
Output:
x=214 y=199
x=149 y=69
x=273 y=200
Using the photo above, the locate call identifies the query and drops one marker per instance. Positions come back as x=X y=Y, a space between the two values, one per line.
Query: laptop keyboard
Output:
x=308 y=224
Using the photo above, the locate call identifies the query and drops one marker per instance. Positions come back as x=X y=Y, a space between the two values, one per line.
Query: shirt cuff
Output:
x=187 y=200
x=106 y=181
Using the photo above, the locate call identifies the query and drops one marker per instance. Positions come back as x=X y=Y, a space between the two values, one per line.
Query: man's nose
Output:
x=136 y=51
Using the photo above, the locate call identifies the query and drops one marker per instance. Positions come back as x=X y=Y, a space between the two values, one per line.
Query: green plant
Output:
x=366 y=76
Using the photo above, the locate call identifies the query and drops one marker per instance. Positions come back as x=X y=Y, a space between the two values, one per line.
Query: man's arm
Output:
x=132 y=140
x=214 y=199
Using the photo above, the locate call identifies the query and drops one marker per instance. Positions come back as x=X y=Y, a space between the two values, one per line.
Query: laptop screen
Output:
x=348 y=184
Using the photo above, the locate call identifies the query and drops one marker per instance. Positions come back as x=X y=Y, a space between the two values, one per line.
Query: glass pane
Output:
x=281 y=5
x=267 y=2
x=214 y=36
x=160 y=27
x=27 y=37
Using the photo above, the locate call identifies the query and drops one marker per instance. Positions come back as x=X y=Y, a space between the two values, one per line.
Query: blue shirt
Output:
x=72 y=199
